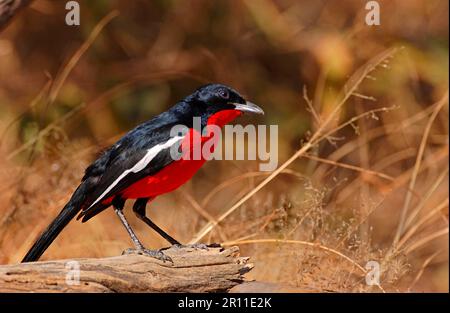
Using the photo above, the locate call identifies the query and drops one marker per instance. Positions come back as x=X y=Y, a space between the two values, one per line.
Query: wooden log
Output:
x=193 y=270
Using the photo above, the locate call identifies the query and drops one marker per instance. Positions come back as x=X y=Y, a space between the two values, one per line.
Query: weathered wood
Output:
x=192 y=270
x=9 y=8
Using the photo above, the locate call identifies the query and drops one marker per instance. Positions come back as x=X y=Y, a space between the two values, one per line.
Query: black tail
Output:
x=64 y=217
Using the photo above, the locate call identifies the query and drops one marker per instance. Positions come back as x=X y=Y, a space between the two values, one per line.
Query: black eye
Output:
x=224 y=94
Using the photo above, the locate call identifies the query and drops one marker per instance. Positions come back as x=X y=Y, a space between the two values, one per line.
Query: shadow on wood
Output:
x=192 y=270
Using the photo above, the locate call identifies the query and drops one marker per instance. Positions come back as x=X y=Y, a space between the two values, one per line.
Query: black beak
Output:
x=248 y=107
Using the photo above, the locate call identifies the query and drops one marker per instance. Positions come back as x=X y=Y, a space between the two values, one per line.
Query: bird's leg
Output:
x=118 y=205
x=139 y=209
x=130 y=231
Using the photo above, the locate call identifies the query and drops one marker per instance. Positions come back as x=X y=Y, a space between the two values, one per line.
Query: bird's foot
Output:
x=156 y=254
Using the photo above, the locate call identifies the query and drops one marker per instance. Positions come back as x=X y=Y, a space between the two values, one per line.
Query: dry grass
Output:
x=367 y=181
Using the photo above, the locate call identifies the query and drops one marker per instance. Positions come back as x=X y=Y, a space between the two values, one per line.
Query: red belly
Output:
x=172 y=176
x=166 y=180
x=178 y=172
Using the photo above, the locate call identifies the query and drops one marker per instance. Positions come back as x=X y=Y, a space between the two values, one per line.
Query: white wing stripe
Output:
x=139 y=166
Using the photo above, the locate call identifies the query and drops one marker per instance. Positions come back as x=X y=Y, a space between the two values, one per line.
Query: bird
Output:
x=141 y=165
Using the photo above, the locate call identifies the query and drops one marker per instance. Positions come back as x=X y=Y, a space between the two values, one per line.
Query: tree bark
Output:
x=192 y=270
x=9 y=8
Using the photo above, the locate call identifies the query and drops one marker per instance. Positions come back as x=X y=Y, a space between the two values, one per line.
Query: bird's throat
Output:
x=223 y=117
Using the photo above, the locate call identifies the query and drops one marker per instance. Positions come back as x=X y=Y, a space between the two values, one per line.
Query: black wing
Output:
x=122 y=164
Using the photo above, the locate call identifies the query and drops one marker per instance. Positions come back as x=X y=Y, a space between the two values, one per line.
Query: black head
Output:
x=213 y=98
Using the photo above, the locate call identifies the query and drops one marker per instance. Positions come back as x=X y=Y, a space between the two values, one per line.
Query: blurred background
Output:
x=376 y=189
